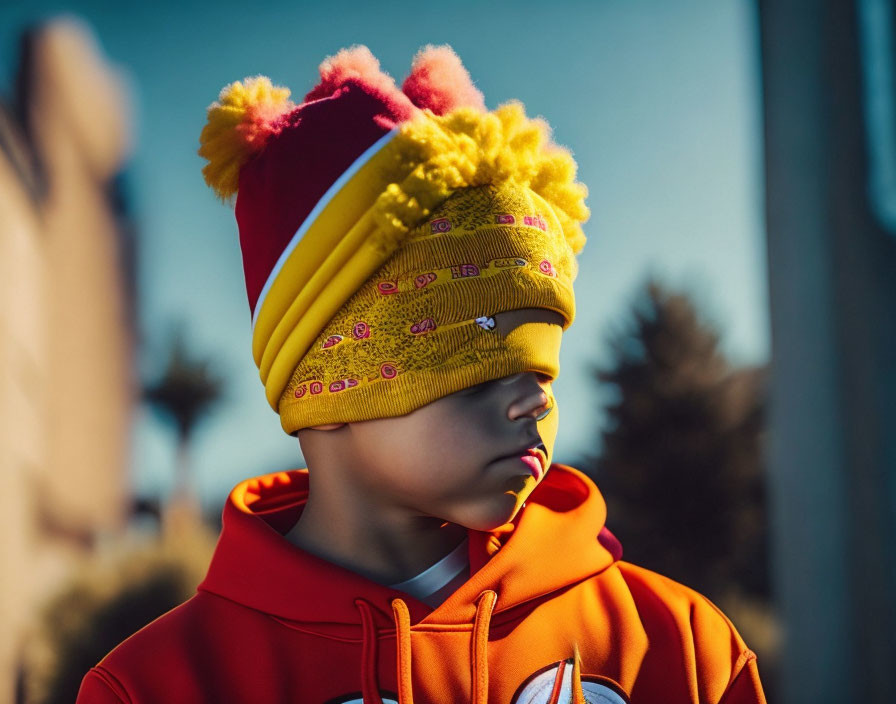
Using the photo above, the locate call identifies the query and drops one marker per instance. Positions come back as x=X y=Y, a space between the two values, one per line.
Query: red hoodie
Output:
x=550 y=614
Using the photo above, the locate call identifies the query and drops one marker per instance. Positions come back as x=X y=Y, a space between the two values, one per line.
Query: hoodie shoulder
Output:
x=161 y=653
x=166 y=630
x=120 y=675
x=677 y=617
x=100 y=687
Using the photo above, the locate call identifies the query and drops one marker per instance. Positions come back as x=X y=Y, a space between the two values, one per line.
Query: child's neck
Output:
x=385 y=549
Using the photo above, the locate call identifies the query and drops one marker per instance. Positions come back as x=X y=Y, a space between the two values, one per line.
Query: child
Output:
x=409 y=260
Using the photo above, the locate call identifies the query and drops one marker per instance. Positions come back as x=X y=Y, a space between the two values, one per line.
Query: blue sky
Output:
x=659 y=102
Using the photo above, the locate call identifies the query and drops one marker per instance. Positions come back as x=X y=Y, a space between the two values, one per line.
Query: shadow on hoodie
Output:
x=550 y=614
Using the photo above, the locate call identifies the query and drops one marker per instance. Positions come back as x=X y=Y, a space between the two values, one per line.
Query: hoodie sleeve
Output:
x=722 y=656
x=683 y=626
x=100 y=687
x=745 y=688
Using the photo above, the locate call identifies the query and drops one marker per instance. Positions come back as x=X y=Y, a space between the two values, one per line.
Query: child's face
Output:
x=441 y=460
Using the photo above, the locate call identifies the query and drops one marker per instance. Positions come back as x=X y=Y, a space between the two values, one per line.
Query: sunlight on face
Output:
x=442 y=459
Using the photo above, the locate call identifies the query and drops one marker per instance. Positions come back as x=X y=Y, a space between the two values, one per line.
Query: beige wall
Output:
x=66 y=344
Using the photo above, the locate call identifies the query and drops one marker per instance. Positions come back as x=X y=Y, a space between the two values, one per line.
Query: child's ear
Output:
x=328 y=426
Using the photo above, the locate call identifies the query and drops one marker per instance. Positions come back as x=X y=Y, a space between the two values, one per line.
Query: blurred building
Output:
x=830 y=168
x=66 y=322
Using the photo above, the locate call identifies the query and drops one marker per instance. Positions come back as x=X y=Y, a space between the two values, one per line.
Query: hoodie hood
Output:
x=561 y=526
x=557 y=539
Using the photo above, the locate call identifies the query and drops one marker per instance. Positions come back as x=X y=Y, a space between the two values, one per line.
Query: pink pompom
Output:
x=439 y=81
x=357 y=64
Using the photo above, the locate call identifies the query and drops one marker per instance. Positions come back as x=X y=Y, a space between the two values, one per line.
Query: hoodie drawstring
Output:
x=403 y=631
x=484 y=607
x=370 y=691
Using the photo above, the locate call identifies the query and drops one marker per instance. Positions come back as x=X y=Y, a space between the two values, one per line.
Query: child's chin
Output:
x=501 y=512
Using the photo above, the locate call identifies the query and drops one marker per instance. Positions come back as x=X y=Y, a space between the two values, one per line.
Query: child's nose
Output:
x=532 y=399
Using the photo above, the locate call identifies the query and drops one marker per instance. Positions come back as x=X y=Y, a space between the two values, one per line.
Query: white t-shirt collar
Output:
x=432 y=580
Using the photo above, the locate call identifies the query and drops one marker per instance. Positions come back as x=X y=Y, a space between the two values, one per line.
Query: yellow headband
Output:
x=422 y=325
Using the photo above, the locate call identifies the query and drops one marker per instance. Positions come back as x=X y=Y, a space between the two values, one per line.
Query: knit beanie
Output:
x=382 y=229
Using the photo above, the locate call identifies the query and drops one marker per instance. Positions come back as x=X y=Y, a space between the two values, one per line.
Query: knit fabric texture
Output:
x=422 y=326
x=382 y=229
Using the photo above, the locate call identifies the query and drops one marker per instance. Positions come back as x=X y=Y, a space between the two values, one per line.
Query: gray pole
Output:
x=832 y=279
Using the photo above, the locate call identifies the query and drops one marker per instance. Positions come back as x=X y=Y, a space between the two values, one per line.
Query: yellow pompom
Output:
x=239 y=125
x=469 y=147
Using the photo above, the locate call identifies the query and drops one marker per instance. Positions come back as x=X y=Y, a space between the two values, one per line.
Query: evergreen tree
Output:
x=681 y=463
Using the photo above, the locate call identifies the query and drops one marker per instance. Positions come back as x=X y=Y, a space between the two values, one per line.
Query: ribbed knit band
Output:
x=420 y=327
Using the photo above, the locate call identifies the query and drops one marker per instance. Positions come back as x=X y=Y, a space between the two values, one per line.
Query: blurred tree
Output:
x=185 y=394
x=88 y=627
x=681 y=465
x=113 y=595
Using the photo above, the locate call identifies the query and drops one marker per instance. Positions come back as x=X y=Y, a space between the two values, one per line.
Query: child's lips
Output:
x=541 y=457
x=535 y=460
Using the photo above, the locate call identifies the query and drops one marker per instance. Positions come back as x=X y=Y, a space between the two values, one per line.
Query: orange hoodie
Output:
x=549 y=615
